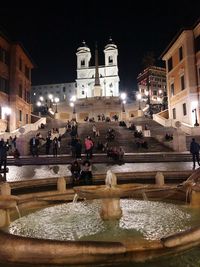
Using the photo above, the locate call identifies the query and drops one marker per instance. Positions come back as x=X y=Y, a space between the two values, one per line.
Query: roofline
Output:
x=173 y=41
x=177 y=35
x=6 y=36
x=26 y=52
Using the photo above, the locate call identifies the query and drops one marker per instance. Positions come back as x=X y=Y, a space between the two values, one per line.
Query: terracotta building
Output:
x=152 y=84
x=15 y=85
x=182 y=58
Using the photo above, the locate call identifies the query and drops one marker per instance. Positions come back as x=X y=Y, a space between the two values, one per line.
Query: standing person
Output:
x=194 y=150
x=76 y=172
x=55 y=147
x=48 y=144
x=86 y=172
x=3 y=155
x=78 y=149
x=88 y=147
x=94 y=130
x=34 y=143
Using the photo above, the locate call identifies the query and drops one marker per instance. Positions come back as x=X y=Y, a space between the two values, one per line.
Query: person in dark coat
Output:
x=76 y=172
x=194 y=150
x=34 y=143
x=3 y=155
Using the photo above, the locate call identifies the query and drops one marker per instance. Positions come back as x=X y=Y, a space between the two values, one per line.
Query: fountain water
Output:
x=144 y=230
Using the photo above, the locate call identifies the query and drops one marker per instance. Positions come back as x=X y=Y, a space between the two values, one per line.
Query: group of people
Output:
x=117 y=154
x=81 y=174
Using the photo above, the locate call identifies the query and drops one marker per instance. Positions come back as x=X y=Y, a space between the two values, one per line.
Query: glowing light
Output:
x=123 y=96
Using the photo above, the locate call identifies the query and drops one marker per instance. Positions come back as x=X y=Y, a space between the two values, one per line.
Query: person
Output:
x=34 y=143
x=86 y=172
x=55 y=147
x=3 y=155
x=16 y=154
x=76 y=172
x=194 y=150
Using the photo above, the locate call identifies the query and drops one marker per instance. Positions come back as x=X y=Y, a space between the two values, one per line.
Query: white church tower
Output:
x=108 y=74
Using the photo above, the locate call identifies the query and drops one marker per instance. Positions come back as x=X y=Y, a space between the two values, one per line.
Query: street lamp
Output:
x=195 y=113
x=72 y=104
x=123 y=98
x=6 y=111
x=139 y=99
x=39 y=104
x=50 y=96
x=56 y=101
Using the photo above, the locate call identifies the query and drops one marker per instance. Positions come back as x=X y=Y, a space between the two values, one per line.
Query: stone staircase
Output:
x=123 y=137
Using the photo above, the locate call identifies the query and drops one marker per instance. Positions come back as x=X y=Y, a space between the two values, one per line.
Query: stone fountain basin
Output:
x=24 y=250
x=16 y=249
x=127 y=190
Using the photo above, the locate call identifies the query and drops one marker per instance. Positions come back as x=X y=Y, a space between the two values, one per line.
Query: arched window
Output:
x=110 y=59
x=82 y=63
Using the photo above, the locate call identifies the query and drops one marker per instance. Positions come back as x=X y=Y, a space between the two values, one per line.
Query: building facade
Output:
x=15 y=85
x=108 y=74
x=182 y=58
x=62 y=91
x=152 y=84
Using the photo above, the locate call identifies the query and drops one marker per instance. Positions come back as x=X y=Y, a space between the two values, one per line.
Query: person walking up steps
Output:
x=194 y=150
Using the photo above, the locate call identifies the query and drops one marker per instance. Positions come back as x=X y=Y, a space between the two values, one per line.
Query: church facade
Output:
x=108 y=74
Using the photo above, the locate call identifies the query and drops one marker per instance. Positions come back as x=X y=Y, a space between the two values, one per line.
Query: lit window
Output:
x=184 y=109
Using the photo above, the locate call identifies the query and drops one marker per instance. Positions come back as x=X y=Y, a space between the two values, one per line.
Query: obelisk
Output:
x=97 y=86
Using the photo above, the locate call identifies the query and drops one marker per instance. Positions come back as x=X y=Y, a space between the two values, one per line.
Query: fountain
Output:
x=133 y=237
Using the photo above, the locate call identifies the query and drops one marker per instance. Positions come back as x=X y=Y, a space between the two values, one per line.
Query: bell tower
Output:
x=111 y=69
x=83 y=56
x=83 y=61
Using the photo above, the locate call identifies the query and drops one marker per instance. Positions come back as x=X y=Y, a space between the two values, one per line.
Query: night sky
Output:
x=52 y=33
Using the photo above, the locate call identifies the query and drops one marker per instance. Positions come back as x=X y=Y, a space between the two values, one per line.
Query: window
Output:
x=155 y=92
x=170 y=64
x=20 y=90
x=28 y=97
x=27 y=72
x=4 y=56
x=174 y=113
x=110 y=60
x=82 y=63
x=4 y=85
x=184 y=109
x=64 y=89
x=26 y=118
x=197 y=44
x=180 y=52
x=83 y=92
x=172 y=89
x=20 y=115
x=20 y=64
x=182 y=82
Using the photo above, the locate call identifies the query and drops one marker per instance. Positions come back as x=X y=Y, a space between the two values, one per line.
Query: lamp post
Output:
x=123 y=98
x=72 y=104
x=139 y=99
x=56 y=101
x=39 y=104
x=196 y=121
x=50 y=99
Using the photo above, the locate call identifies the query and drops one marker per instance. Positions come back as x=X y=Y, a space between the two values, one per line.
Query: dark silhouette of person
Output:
x=76 y=172
x=34 y=143
x=194 y=150
x=3 y=155
x=86 y=172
